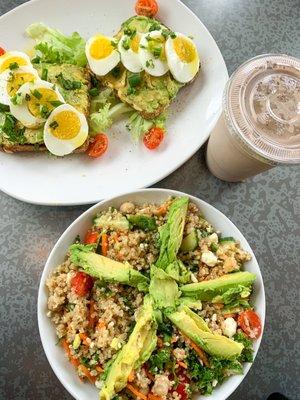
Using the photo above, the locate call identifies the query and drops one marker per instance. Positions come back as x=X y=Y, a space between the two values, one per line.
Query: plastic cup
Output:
x=260 y=124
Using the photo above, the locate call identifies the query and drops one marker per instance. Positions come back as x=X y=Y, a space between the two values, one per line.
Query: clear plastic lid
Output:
x=262 y=107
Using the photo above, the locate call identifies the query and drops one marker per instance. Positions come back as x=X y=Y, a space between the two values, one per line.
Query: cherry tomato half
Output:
x=250 y=323
x=91 y=237
x=82 y=283
x=99 y=146
x=153 y=138
x=2 y=51
x=147 y=8
x=182 y=386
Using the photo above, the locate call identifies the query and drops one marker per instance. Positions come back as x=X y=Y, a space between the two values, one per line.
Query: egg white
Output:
x=60 y=147
x=8 y=75
x=12 y=56
x=102 y=66
x=182 y=71
x=129 y=58
x=157 y=66
x=21 y=111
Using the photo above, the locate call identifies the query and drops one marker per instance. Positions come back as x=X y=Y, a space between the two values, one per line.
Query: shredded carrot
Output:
x=84 y=337
x=162 y=210
x=136 y=392
x=131 y=376
x=104 y=244
x=100 y=325
x=160 y=342
x=182 y=364
x=99 y=368
x=86 y=373
x=92 y=319
x=74 y=361
x=201 y=354
x=152 y=396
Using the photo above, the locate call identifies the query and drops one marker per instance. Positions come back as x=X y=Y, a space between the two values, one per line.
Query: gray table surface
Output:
x=265 y=208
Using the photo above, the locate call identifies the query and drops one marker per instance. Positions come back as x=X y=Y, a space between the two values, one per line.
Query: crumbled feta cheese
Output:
x=161 y=385
x=209 y=258
x=213 y=238
x=229 y=327
x=193 y=278
x=214 y=317
x=99 y=384
x=214 y=383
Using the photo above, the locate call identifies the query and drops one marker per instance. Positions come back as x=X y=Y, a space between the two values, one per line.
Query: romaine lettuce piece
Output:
x=163 y=289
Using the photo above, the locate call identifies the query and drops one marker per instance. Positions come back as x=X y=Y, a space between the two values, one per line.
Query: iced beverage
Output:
x=260 y=123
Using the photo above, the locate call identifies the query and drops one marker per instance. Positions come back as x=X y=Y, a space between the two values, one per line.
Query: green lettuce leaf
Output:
x=138 y=126
x=53 y=47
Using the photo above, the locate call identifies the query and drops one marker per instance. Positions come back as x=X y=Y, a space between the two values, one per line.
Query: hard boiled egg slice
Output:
x=183 y=58
x=102 y=54
x=65 y=130
x=33 y=103
x=13 y=60
x=128 y=47
x=152 y=53
x=12 y=80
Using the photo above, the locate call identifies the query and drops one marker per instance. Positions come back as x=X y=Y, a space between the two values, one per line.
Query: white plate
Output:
x=42 y=179
x=55 y=354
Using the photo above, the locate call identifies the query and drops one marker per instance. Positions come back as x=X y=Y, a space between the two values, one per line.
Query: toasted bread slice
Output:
x=78 y=98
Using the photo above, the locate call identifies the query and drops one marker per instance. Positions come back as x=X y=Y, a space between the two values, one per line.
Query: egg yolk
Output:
x=67 y=125
x=135 y=42
x=101 y=47
x=184 y=49
x=17 y=80
x=41 y=97
x=7 y=60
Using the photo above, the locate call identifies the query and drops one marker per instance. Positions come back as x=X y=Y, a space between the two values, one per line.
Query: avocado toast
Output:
x=153 y=303
x=17 y=138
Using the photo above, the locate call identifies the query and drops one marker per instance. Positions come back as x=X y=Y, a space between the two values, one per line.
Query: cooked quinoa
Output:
x=94 y=318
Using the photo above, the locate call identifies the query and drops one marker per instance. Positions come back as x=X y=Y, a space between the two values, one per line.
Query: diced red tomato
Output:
x=250 y=323
x=182 y=386
x=148 y=8
x=99 y=146
x=82 y=283
x=91 y=237
x=2 y=51
x=153 y=138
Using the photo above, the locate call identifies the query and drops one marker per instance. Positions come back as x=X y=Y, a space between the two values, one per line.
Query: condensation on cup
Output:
x=260 y=124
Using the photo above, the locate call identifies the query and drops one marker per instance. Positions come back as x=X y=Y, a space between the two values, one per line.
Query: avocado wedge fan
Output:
x=154 y=304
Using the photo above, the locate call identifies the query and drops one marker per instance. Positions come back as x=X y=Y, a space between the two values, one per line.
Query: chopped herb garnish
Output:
x=94 y=81
x=130 y=32
x=17 y=99
x=157 y=52
x=134 y=80
x=116 y=72
x=37 y=94
x=142 y=46
x=94 y=91
x=44 y=74
x=56 y=103
x=214 y=247
x=36 y=60
x=12 y=131
x=173 y=35
x=4 y=107
x=68 y=84
x=13 y=66
x=113 y=43
x=27 y=97
x=126 y=44
x=156 y=26
x=44 y=111
x=165 y=33
x=85 y=361
x=53 y=125
x=149 y=64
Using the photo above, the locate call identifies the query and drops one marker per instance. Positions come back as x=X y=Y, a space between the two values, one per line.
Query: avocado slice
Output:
x=118 y=222
x=171 y=233
x=163 y=288
x=207 y=290
x=189 y=242
x=178 y=271
x=219 y=346
x=107 y=269
x=135 y=352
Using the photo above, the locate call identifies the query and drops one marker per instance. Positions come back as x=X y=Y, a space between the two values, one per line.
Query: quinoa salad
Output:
x=154 y=303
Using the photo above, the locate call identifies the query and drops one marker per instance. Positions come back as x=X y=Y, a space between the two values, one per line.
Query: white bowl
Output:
x=55 y=354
